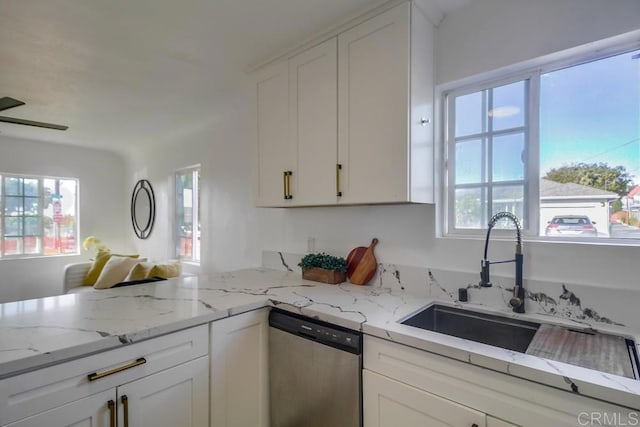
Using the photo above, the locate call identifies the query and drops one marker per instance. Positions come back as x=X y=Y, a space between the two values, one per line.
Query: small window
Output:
x=559 y=148
x=188 y=214
x=39 y=216
x=489 y=139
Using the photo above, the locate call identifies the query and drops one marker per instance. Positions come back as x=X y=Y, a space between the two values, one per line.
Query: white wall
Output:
x=232 y=230
x=102 y=209
x=484 y=36
x=490 y=34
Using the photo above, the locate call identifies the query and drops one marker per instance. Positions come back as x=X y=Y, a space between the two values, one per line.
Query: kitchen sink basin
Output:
x=512 y=334
x=614 y=354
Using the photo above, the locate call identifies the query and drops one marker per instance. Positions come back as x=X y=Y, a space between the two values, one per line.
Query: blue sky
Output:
x=588 y=113
x=591 y=113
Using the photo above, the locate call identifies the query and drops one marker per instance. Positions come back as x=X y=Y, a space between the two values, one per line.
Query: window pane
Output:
x=13 y=246
x=187 y=214
x=508 y=198
x=508 y=156
x=590 y=146
x=31 y=187
x=12 y=186
x=494 y=157
x=39 y=220
x=13 y=206
x=31 y=205
x=59 y=216
x=469 y=207
x=469 y=162
x=508 y=106
x=469 y=113
x=31 y=245
x=32 y=226
x=13 y=226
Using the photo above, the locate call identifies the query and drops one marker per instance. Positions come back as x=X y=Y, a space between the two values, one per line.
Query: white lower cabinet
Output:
x=91 y=411
x=159 y=382
x=495 y=422
x=404 y=386
x=240 y=370
x=389 y=403
x=175 y=397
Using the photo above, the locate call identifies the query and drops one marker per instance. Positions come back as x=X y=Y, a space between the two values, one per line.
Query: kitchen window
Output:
x=38 y=216
x=188 y=214
x=558 y=147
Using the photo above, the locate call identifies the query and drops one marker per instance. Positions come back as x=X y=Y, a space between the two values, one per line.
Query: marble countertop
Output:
x=41 y=332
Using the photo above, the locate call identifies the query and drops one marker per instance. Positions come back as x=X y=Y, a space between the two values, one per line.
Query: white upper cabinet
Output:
x=359 y=117
x=275 y=157
x=385 y=105
x=313 y=107
x=297 y=129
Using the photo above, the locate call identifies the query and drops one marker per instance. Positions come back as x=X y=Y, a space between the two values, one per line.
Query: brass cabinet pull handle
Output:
x=287 y=185
x=112 y=413
x=96 y=376
x=284 y=184
x=125 y=404
x=338 y=169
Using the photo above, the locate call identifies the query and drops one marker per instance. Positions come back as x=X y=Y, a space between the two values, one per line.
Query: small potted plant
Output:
x=323 y=268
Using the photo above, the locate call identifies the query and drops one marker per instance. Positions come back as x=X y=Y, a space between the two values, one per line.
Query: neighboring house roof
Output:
x=635 y=191
x=556 y=190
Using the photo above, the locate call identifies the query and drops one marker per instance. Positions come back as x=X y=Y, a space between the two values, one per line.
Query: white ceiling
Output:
x=122 y=72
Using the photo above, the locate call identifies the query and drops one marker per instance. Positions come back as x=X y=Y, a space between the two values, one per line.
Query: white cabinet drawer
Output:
x=516 y=400
x=33 y=392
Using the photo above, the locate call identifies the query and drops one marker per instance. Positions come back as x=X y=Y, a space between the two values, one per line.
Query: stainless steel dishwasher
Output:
x=315 y=373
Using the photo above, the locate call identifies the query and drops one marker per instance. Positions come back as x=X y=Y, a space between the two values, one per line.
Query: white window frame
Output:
x=196 y=246
x=531 y=70
x=531 y=149
x=40 y=215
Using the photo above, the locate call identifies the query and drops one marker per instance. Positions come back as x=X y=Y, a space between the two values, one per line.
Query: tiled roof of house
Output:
x=554 y=189
x=634 y=191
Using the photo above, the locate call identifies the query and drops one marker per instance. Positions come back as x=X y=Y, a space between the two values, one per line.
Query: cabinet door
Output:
x=373 y=108
x=274 y=155
x=178 y=396
x=92 y=411
x=389 y=403
x=239 y=370
x=313 y=106
x=495 y=422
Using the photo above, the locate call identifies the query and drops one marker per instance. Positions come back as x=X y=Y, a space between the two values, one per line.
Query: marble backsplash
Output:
x=583 y=304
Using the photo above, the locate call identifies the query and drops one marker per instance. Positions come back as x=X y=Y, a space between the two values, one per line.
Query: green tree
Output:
x=468 y=211
x=597 y=175
x=617 y=205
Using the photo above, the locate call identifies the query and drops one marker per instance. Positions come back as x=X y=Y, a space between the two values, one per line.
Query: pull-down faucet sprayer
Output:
x=517 y=301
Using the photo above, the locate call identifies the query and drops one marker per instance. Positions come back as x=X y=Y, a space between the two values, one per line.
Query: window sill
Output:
x=23 y=257
x=510 y=236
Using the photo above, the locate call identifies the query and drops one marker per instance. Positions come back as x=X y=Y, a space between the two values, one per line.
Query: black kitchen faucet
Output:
x=517 y=301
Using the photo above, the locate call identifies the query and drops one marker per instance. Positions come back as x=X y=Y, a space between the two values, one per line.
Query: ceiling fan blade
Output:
x=7 y=102
x=32 y=123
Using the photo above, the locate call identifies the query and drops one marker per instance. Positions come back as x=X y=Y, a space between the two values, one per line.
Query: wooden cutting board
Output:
x=362 y=264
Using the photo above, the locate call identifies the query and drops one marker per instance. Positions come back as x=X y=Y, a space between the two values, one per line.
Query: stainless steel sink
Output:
x=488 y=329
x=594 y=350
